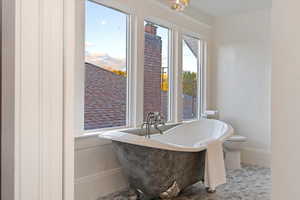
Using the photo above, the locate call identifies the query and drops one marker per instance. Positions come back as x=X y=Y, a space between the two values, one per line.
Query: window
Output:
x=156 y=69
x=112 y=71
x=105 y=67
x=190 y=77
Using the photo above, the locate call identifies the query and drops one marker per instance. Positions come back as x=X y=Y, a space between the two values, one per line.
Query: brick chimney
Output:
x=150 y=28
x=152 y=70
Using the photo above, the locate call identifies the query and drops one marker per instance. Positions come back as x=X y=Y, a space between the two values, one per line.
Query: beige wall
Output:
x=285 y=99
x=241 y=79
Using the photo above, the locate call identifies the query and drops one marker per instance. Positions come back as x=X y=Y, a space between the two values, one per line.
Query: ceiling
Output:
x=228 y=7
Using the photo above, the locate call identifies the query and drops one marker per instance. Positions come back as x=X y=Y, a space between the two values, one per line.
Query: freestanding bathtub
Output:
x=154 y=164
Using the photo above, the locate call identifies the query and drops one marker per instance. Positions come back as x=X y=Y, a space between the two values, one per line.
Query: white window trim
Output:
x=177 y=74
x=130 y=64
x=201 y=74
x=115 y=5
x=170 y=28
x=174 y=68
x=135 y=69
x=130 y=57
x=204 y=77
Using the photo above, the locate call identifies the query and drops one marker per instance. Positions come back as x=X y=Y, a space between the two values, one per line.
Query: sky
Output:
x=105 y=39
x=189 y=61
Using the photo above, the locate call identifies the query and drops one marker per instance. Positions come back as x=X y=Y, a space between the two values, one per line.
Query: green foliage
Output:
x=119 y=72
x=165 y=82
x=189 y=82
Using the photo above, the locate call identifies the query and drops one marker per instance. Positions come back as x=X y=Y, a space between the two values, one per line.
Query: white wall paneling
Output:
x=8 y=115
x=97 y=170
x=33 y=100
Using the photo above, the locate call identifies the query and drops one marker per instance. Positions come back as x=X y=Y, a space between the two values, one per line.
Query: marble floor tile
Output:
x=248 y=183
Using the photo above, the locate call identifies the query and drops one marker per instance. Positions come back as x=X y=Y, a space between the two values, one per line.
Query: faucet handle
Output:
x=160 y=118
x=158 y=114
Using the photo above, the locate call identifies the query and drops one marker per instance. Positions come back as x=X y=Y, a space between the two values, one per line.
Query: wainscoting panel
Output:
x=256 y=157
x=97 y=170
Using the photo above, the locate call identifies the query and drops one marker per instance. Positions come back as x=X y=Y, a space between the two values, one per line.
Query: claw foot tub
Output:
x=175 y=158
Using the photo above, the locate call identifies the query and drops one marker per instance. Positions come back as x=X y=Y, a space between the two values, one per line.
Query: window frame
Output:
x=168 y=26
x=135 y=59
x=129 y=57
x=201 y=74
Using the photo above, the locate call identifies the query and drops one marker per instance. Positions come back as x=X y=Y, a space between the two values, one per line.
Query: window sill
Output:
x=89 y=139
x=95 y=132
x=189 y=120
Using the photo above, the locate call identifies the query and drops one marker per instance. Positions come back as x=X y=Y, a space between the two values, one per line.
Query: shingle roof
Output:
x=193 y=44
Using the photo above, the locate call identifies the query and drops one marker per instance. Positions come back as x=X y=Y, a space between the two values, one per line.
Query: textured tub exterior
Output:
x=153 y=164
x=153 y=170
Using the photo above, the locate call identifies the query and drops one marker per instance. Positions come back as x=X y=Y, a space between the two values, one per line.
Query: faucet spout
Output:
x=160 y=131
x=153 y=119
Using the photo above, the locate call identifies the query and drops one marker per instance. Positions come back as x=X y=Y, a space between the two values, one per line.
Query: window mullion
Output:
x=130 y=34
x=171 y=76
x=178 y=113
x=138 y=73
x=204 y=76
x=199 y=79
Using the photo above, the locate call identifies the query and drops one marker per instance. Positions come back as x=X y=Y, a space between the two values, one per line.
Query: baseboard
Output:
x=98 y=185
x=258 y=157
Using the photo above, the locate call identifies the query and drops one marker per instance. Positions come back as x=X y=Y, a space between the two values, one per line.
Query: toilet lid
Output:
x=237 y=138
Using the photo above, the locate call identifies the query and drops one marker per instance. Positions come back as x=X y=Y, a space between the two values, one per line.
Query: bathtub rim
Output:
x=120 y=136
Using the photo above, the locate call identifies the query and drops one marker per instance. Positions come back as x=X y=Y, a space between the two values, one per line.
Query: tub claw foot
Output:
x=132 y=195
x=170 y=193
x=210 y=190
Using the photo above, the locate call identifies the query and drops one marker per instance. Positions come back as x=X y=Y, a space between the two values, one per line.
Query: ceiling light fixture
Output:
x=179 y=5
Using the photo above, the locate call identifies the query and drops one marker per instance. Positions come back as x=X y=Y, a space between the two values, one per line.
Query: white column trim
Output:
x=134 y=101
x=139 y=72
x=33 y=96
x=178 y=101
x=9 y=133
x=73 y=91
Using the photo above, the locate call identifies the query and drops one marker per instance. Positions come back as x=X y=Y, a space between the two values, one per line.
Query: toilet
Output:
x=232 y=150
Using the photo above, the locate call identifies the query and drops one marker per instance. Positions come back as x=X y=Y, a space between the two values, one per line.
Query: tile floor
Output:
x=249 y=183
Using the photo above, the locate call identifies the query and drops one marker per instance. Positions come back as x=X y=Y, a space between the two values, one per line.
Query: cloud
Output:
x=103 y=22
x=89 y=44
x=106 y=61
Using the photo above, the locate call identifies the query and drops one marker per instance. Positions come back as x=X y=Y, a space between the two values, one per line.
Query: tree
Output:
x=189 y=82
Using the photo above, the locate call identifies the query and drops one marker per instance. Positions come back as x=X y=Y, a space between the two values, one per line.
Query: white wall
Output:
x=97 y=171
x=285 y=99
x=241 y=79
